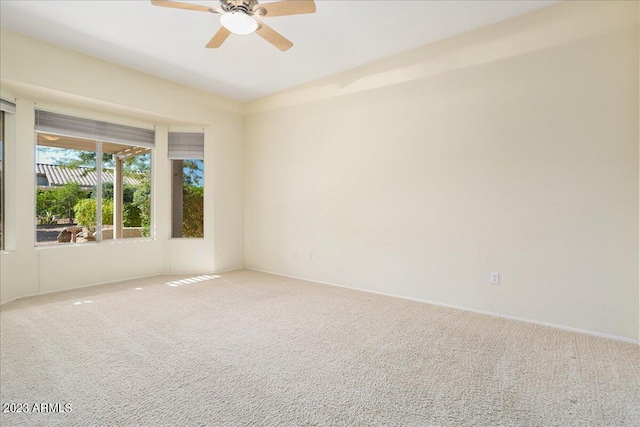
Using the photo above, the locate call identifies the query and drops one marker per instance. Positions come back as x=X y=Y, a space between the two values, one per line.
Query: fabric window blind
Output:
x=186 y=145
x=60 y=124
x=7 y=106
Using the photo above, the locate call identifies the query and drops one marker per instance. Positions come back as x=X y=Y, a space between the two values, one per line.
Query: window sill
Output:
x=186 y=239
x=109 y=242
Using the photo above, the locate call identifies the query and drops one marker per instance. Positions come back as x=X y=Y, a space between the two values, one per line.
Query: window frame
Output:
x=99 y=173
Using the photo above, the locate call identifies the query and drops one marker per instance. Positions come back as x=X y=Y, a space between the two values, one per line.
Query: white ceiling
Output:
x=169 y=43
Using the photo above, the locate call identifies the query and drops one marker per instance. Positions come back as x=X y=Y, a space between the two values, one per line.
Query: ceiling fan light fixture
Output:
x=238 y=23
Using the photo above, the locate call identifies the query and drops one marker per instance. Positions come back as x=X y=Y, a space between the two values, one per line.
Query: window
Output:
x=127 y=190
x=6 y=107
x=91 y=189
x=67 y=177
x=1 y=180
x=186 y=151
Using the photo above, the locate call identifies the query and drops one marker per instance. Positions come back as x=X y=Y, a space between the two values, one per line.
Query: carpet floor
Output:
x=253 y=349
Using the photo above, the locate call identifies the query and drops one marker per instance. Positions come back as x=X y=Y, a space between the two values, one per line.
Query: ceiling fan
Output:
x=239 y=17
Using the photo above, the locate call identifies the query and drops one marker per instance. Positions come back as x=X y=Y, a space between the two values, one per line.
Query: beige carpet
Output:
x=252 y=349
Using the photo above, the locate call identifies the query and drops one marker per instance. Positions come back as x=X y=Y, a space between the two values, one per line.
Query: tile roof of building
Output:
x=60 y=175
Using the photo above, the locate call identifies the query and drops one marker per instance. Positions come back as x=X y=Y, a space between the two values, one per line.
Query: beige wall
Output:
x=61 y=80
x=511 y=149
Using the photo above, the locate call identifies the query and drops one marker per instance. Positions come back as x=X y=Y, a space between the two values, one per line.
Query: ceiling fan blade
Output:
x=178 y=5
x=273 y=37
x=282 y=8
x=219 y=38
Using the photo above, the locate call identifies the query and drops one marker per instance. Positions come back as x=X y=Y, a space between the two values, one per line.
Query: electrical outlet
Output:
x=494 y=278
x=310 y=256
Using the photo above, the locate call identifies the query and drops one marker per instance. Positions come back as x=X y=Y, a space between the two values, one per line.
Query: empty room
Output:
x=319 y=213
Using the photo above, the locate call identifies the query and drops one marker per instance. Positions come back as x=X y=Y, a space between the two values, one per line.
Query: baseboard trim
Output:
x=37 y=294
x=114 y=281
x=468 y=309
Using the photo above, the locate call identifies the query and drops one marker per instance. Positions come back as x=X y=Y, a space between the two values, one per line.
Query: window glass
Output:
x=66 y=179
x=90 y=191
x=187 y=198
x=126 y=191
x=1 y=180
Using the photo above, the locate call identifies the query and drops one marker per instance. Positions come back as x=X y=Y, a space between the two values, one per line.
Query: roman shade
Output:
x=186 y=145
x=60 y=124
x=7 y=106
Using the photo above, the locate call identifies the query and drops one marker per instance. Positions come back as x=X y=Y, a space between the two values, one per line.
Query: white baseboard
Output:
x=113 y=281
x=457 y=307
x=55 y=291
x=441 y=304
x=216 y=273
x=230 y=270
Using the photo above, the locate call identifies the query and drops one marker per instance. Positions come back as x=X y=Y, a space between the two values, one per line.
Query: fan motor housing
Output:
x=245 y=6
